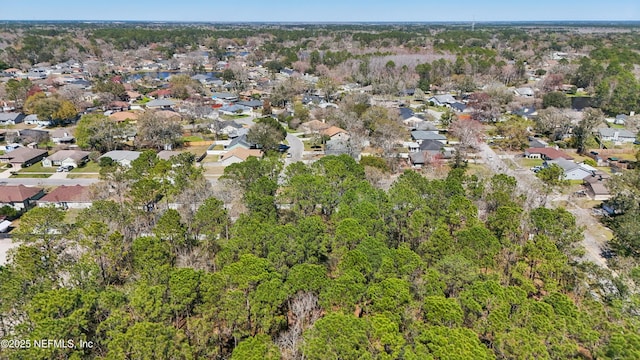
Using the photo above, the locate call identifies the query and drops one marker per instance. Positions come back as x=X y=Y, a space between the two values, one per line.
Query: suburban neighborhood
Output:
x=249 y=190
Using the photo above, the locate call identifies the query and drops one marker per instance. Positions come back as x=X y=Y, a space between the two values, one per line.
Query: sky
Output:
x=320 y=11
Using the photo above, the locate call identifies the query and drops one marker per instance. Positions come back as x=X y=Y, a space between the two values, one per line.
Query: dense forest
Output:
x=310 y=262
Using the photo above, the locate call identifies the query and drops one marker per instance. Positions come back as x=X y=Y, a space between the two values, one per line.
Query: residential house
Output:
x=230 y=128
x=616 y=135
x=412 y=121
x=405 y=113
x=620 y=119
x=527 y=112
x=254 y=104
x=34 y=120
x=241 y=142
x=11 y=118
x=537 y=143
x=167 y=154
x=224 y=96
x=23 y=157
x=75 y=158
x=62 y=136
x=238 y=155
x=235 y=109
x=68 y=197
x=121 y=116
x=313 y=127
x=598 y=191
x=20 y=197
x=572 y=170
x=334 y=132
x=419 y=136
x=458 y=106
x=160 y=104
x=524 y=92
x=546 y=154
x=122 y=157
x=442 y=100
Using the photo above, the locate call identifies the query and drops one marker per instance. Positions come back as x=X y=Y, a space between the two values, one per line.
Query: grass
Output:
x=479 y=170
x=214 y=170
x=210 y=158
x=529 y=163
x=30 y=176
x=91 y=166
x=38 y=168
x=192 y=138
x=218 y=147
x=307 y=147
x=82 y=176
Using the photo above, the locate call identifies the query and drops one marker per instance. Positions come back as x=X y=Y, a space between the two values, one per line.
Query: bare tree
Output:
x=304 y=312
x=159 y=131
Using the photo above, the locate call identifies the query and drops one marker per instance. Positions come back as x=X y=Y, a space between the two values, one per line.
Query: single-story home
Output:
x=23 y=157
x=598 y=191
x=235 y=109
x=573 y=171
x=442 y=100
x=121 y=116
x=240 y=142
x=68 y=197
x=74 y=158
x=337 y=147
x=546 y=153
x=160 y=104
x=238 y=155
x=62 y=136
x=616 y=135
x=167 y=154
x=524 y=91
x=20 y=197
x=419 y=136
x=122 y=157
x=334 y=132
x=11 y=118
x=34 y=120
x=225 y=96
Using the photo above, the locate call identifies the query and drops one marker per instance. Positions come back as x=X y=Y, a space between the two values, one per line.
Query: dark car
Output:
x=283 y=148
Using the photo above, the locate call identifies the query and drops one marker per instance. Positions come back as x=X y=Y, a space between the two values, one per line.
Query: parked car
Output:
x=65 y=168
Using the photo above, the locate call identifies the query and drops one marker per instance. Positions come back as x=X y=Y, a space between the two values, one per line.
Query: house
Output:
x=334 y=132
x=546 y=154
x=121 y=116
x=616 y=135
x=11 y=118
x=160 y=104
x=419 y=136
x=62 y=136
x=313 y=127
x=20 y=197
x=238 y=155
x=254 y=104
x=537 y=143
x=442 y=100
x=235 y=109
x=75 y=158
x=122 y=157
x=241 y=142
x=458 y=106
x=524 y=92
x=224 y=96
x=68 y=197
x=572 y=170
x=33 y=120
x=412 y=122
x=23 y=157
x=598 y=191
x=620 y=119
x=527 y=112
x=405 y=113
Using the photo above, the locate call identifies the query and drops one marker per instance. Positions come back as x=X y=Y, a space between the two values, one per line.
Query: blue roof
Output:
x=405 y=113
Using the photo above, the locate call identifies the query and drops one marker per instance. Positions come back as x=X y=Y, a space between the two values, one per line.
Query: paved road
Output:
x=297 y=147
x=47 y=182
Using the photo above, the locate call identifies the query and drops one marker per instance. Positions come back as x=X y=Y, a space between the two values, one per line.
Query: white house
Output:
x=122 y=157
x=74 y=158
x=616 y=135
x=573 y=171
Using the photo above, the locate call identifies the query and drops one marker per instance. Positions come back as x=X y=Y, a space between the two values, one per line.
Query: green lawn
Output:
x=82 y=176
x=89 y=167
x=38 y=168
x=529 y=163
x=192 y=138
x=30 y=175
